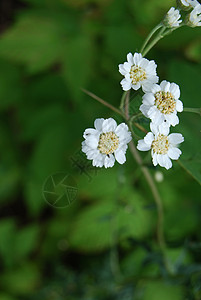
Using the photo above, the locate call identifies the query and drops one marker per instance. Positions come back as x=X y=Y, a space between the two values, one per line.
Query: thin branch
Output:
x=102 y=101
x=150 y=36
x=127 y=105
x=193 y=110
x=155 y=194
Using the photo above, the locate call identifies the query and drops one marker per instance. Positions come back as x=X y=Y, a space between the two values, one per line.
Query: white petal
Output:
x=175 y=138
x=172 y=119
x=136 y=86
x=130 y=58
x=90 y=131
x=98 y=124
x=92 y=153
x=148 y=99
x=160 y=160
x=154 y=128
x=174 y=153
x=154 y=159
x=109 y=125
x=98 y=161
x=158 y=118
x=126 y=86
x=128 y=77
x=152 y=112
x=149 y=138
x=174 y=89
x=151 y=68
x=142 y=146
x=92 y=141
x=179 y=106
x=168 y=163
x=155 y=88
x=109 y=161
x=123 y=134
x=123 y=147
x=165 y=85
x=143 y=63
x=164 y=128
x=144 y=109
x=148 y=84
x=122 y=70
x=137 y=58
x=85 y=148
x=120 y=156
x=127 y=66
x=164 y=161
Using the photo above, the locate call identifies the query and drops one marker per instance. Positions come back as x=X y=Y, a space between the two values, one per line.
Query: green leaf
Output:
x=77 y=64
x=7 y=240
x=94 y=227
x=161 y=290
x=33 y=41
x=11 y=85
x=25 y=241
x=21 y=281
x=6 y=297
x=188 y=77
x=9 y=179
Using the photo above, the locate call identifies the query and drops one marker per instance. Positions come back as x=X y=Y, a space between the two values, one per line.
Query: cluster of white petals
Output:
x=138 y=72
x=187 y=4
x=172 y=18
x=163 y=145
x=106 y=142
x=162 y=103
x=194 y=18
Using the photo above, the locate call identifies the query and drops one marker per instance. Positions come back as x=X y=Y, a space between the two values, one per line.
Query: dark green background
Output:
x=102 y=246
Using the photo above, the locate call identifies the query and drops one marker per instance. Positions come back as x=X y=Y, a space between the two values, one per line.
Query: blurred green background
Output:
x=103 y=245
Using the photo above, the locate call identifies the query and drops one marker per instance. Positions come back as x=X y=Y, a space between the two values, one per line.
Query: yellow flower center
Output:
x=165 y=102
x=108 y=142
x=137 y=74
x=160 y=145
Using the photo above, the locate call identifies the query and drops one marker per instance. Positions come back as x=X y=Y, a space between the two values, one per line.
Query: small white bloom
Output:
x=106 y=142
x=138 y=72
x=163 y=146
x=194 y=18
x=159 y=176
x=162 y=103
x=172 y=18
x=187 y=4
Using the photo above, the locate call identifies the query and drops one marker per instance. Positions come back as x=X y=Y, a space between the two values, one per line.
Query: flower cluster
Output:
x=161 y=103
x=192 y=19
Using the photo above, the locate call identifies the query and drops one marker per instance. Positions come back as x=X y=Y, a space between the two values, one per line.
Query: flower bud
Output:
x=172 y=18
x=194 y=18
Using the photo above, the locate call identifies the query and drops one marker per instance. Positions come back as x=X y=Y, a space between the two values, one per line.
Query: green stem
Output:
x=122 y=101
x=193 y=110
x=155 y=193
x=155 y=41
x=150 y=36
x=103 y=102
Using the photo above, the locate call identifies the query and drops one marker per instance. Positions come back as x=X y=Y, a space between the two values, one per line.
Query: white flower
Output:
x=187 y=4
x=194 y=18
x=138 y=72
x=106 y=142
x=172 y=19
x=162 y=103
x=163 y=146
